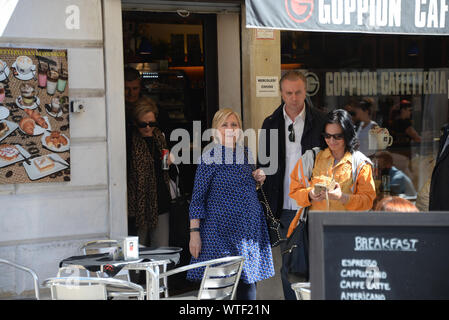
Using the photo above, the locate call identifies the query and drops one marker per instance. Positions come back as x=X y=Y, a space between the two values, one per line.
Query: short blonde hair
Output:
x=143 y=106
x=293 y=75
x=221 y=116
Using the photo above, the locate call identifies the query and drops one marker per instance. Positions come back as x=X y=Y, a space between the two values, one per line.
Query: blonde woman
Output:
x=226 y=217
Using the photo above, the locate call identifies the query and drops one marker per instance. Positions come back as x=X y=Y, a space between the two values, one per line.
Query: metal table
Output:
x=150 y=259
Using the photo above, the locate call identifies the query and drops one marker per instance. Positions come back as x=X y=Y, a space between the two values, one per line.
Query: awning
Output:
x=176 y=6
x=419 y=17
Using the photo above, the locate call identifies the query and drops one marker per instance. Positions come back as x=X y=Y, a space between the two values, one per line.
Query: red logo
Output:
x=299 y=10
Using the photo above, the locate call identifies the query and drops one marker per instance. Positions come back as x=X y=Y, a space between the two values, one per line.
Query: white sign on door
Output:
x=267 y=86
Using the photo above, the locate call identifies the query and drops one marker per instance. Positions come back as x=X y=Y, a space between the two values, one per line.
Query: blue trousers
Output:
x=246 y=291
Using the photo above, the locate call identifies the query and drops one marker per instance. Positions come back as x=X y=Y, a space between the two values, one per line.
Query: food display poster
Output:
x=34 y=116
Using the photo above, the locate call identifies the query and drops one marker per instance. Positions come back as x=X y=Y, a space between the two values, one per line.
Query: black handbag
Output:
x=295 y=250
x=273 y=224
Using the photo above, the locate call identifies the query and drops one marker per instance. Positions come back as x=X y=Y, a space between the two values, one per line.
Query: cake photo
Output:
x=8 y=152
x=44 y=163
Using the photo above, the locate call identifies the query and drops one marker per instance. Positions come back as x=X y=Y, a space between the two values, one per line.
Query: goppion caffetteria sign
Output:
x=370 y=16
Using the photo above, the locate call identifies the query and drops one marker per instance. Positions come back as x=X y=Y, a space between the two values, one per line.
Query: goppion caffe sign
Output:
x=429 y=17
x=378 y=82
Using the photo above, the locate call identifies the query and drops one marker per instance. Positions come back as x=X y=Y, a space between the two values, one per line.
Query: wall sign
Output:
x=34 y=116
x=370 y=16
x=267 y=86
x=264 y=34
x=379 y=256
x=382 y=82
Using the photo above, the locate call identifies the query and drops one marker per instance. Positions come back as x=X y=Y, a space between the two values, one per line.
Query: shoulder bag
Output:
x=273 y=224
x=295 y=250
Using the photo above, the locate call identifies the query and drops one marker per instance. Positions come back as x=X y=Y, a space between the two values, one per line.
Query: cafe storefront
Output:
x=393 y=54
x=42 y=223
x=386 y=52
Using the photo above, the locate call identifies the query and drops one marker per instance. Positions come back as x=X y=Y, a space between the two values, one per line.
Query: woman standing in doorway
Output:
x=226 y=217
x=148 y=185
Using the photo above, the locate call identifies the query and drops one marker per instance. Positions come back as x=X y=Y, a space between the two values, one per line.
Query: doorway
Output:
x=177 y=59
x=176 y=56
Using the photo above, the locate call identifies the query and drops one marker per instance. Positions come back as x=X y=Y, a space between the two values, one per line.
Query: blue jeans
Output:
x=286 y=218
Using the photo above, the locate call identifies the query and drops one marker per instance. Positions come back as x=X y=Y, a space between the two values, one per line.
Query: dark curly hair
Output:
x=341 y=117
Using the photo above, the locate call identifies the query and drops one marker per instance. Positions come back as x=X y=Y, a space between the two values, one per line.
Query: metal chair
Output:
x=90 y=288
x=73 y=270
x=302 y=290
x=220 y=278
x=23 y=268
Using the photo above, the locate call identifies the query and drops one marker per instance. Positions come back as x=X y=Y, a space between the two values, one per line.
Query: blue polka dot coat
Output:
x=232 y=221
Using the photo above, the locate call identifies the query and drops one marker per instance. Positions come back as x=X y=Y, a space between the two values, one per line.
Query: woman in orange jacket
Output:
x=346 y=172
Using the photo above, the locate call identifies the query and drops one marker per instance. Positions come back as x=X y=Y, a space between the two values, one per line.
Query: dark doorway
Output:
x=177 y=60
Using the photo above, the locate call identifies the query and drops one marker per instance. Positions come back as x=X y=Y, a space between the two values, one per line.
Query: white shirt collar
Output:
x=301 y=115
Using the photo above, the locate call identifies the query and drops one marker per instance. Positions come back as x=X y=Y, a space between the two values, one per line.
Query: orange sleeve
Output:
x=365 y=192
x=298 y=190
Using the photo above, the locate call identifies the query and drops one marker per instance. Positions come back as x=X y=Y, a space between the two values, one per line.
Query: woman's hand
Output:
x=195 y=244
x=335 y=194
x=170 y=159
x=316 y=197
x=259 y=176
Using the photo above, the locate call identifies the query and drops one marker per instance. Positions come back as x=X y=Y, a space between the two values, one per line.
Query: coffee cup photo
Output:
x=384 y=140
x=24 y=64
x=52 y=80
x=55 y=105
x=379 y=139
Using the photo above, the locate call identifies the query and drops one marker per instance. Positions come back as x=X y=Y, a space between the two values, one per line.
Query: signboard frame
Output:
x=319 y=220
x=382 y=17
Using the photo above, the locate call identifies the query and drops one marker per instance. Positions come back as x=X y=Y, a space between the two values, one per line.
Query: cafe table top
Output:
x=106 y=263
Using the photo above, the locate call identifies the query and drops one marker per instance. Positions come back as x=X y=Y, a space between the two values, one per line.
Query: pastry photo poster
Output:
x=34 y=116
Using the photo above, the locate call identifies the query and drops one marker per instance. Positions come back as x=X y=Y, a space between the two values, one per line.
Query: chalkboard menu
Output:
x=379 y=256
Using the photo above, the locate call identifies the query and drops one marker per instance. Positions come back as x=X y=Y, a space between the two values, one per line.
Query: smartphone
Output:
x=318 y=188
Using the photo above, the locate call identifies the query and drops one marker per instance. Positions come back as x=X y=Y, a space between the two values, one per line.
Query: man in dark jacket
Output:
x=299 y=126
x=439 y=191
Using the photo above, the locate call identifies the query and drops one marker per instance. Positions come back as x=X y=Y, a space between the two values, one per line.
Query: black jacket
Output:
x=439 y=190
x=274 y=183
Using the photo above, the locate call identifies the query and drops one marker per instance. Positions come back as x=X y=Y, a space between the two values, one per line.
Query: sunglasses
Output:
x=338 y=136
x=291 y=135
x=146 y=124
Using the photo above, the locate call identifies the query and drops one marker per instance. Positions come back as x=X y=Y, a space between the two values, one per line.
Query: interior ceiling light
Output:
x=183 y=13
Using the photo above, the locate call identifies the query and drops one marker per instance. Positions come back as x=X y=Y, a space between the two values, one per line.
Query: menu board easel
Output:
x=379 y=256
